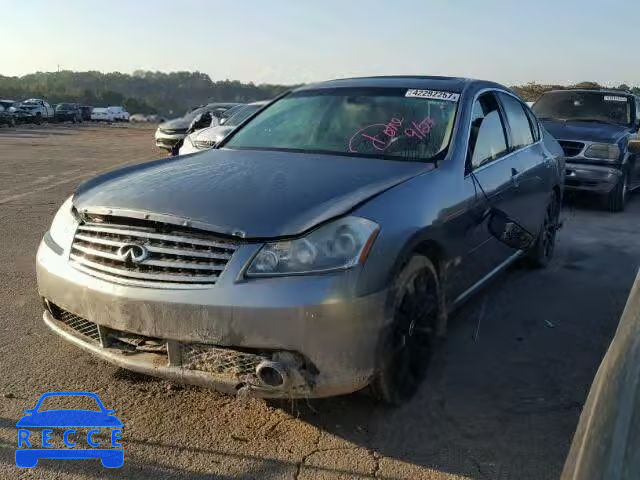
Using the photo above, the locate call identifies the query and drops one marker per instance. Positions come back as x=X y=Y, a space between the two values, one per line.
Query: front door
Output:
x=489 y=178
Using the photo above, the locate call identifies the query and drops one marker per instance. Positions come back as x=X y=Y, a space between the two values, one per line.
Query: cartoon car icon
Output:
x=69 y=419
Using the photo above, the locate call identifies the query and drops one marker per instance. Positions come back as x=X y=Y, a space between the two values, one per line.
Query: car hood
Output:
x=585 y=131
x=255 y=194
x=69 y=418
x=177 y=123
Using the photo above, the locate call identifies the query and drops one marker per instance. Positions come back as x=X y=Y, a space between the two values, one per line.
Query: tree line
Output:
x=141 y=92
x=171 y=94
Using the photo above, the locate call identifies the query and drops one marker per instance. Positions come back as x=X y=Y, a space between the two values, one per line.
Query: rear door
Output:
x=531 y=170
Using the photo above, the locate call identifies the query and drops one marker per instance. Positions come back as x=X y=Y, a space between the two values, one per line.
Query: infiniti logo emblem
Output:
x=132 y=253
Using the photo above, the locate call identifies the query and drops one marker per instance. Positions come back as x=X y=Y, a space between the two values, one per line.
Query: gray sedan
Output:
x=318 y=250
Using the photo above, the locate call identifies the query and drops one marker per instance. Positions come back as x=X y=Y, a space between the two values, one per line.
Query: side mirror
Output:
x=634 y=144
x=508 y=231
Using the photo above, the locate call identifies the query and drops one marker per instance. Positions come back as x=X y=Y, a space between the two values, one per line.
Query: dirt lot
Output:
x=502 y=400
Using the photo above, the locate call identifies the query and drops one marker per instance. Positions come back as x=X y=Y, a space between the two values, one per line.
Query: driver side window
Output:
x=487 y=139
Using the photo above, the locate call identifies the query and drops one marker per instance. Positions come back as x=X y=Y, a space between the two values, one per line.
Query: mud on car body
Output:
x=596 y=129
x=316 y=250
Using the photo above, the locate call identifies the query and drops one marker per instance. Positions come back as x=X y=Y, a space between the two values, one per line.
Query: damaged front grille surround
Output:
x=249 y=368
x=570 y=148
x=149 y=253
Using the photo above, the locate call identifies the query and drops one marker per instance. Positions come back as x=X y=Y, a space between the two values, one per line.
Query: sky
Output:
x=299 y=41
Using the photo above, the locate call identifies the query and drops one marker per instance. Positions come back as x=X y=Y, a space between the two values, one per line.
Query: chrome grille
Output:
x=76 y=323
x=171 y=259
x=571 y=149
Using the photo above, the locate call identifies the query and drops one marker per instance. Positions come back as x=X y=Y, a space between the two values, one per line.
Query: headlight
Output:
x=338 y=245
x=64 y=225
x=603 y=151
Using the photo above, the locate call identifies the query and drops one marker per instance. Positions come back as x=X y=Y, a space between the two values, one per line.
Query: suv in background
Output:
x=68 y=112
x=85 y=111
x=39 y=108
x=6 y=113
x=594 y=128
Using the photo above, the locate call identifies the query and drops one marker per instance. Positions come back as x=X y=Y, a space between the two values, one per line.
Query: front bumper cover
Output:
x=316 y=317
x=591 y=178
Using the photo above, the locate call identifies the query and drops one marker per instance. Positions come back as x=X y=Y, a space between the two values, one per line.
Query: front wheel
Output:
x=617 y=199
x=416 y=304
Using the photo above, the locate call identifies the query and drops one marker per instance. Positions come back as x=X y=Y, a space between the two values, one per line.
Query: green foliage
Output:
x=168 y=94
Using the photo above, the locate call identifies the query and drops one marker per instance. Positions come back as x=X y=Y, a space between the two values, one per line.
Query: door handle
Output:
x=515 y=177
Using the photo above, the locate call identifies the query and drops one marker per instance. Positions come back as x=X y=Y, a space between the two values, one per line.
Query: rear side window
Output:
x=519 y=124
x=487 y=139
x=533 y=122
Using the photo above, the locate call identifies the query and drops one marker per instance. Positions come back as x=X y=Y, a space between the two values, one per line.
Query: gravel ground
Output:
x=501 y=402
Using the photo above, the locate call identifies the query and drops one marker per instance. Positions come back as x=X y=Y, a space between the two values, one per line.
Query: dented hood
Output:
x=259 y=193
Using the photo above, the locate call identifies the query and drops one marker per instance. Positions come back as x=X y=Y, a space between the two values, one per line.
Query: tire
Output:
x=38 y=118
x=616 y=200
x=540 y=255
x=417 y=304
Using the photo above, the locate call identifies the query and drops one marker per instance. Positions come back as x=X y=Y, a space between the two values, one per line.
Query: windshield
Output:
x=584 y=106
x=399 y=124
x=64 y=106
x=241 y=115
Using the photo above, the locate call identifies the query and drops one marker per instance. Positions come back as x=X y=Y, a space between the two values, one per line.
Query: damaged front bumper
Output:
x=287 y=337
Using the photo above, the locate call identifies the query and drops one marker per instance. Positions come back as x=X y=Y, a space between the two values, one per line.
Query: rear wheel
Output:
x=617 y=199
x=542 y=251
x=416 y=306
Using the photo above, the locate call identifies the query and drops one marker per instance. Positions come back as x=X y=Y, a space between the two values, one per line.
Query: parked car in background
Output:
x=39 y=108
x=146 y=118
x=20 y=115
x=6 y=113
x=208 y=137
x=100 y=114
x=594 y=128
x=85 y=111
x=68 y=112
x=319 y=246
x=119 y=114
x=170 y=134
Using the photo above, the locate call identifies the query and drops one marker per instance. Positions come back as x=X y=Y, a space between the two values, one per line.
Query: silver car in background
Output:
x=318 y=249
x=209 y=137
x=170 y=134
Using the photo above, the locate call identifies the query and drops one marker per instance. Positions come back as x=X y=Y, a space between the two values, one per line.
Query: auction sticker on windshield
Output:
x=69 y=433
x=613 y=98
x=433 y=95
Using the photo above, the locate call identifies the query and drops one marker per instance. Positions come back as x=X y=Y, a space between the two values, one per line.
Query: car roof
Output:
x=608 y=91
x=449 y=84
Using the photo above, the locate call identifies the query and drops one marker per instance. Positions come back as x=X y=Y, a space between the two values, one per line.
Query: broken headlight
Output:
x=64 y=225
x=338 y=245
